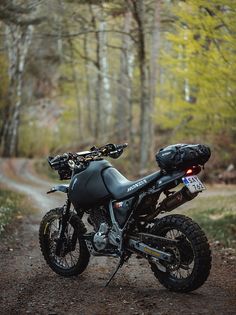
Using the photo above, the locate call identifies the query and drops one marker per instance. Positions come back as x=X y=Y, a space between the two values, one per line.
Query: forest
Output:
x=149 y=72
x=75 y=74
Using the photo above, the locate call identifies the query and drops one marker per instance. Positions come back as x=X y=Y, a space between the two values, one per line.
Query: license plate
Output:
x=193 y=184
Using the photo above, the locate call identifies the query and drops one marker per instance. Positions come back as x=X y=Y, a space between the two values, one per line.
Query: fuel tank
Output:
x=87 y=188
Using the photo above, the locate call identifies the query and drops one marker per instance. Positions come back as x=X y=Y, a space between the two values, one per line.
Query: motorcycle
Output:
x=128 y=217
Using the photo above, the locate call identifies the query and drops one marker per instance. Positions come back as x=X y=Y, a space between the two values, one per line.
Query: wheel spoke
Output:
x=71 y=258
x=55 y=225
x=179 y=270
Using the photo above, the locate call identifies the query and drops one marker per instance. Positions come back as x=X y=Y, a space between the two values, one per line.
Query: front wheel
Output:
x=191 y=263
x=74 y=255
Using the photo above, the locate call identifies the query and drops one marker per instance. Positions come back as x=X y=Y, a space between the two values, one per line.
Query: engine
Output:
x=100 y=239
x=97 y=216
x=100 y=220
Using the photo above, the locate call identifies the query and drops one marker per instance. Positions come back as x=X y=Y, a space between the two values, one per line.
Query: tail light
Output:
x=194 y=170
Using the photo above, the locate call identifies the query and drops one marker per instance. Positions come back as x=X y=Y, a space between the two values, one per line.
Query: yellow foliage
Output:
x=200 y=97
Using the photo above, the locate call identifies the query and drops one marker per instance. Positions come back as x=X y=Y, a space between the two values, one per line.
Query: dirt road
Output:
x=28 y=286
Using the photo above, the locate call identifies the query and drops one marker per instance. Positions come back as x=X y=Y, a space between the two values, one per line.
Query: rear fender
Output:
x=62 y=188
x=172 y=179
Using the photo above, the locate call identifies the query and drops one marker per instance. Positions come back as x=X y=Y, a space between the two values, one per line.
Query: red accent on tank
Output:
x=118 y=205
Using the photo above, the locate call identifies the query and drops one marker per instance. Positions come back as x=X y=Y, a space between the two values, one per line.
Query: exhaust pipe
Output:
x=177 y=199
x=172 y=202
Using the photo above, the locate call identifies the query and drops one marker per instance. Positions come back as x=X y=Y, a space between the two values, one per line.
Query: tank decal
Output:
x=141 y=183
x=74 y=182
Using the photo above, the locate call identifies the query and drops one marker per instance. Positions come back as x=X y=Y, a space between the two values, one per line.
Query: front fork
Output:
x=64 y=221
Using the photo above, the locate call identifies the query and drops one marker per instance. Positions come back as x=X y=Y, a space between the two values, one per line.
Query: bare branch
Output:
x=88 y=32
x=18 y=14
x=24 y=22
x=10 y=8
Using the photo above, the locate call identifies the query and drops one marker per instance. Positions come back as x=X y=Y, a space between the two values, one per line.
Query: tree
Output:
x=138 y=10
x=18 y=35
x=123 y=119
x=200 y=99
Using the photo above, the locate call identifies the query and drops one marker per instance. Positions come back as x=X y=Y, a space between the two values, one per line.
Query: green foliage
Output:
x=35 y=141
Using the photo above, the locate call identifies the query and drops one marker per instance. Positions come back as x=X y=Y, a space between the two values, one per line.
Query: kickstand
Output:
x=119 y=265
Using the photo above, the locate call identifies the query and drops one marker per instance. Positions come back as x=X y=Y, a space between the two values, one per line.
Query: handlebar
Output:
x=61 y=161
x=57 y=161
x=112 y=150
x=117 y=150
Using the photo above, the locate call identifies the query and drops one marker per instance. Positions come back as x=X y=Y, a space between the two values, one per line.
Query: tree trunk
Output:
x=18 y=40
x=89 y=88
x=145 y=116
x=103 y=95
x=80 y=127
x=123 y=117
x=154 y=63
x=97 y=120
x=77 y=92
x=106 y=95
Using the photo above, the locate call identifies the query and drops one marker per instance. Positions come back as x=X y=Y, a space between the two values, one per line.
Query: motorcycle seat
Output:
x=120 y=187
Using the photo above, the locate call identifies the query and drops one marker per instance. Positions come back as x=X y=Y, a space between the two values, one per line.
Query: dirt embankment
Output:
x=28 y=286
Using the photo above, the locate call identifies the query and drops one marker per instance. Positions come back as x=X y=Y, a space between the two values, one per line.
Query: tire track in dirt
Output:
x=16 y=175
x=28 y=286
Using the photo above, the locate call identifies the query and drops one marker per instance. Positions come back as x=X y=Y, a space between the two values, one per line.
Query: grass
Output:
x=217 y=217
x=12 y=205
x=219 y=224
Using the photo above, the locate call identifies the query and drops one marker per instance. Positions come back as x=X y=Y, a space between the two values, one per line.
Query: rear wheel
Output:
x=74 y=255
x=191 y=262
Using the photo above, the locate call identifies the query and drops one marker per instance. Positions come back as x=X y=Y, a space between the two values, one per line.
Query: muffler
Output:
x=173 y=201
x=176 y=199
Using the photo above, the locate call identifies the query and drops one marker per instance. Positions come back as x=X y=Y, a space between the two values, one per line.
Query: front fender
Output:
x=62 y=188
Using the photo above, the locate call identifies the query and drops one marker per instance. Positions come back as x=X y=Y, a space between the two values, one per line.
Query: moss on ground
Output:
x=12 y=204
x=219 y=224
x=217 y=217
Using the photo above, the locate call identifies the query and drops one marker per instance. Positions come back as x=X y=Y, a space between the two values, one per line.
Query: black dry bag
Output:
x=182 y=156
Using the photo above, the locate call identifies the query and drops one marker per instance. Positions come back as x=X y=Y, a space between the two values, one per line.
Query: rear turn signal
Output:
x=194 y=170
x=189 y=172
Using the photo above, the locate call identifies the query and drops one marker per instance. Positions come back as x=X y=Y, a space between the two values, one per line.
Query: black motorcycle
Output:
x=123 y=215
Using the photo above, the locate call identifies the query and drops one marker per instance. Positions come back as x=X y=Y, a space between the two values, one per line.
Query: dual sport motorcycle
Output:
x=128 y=217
